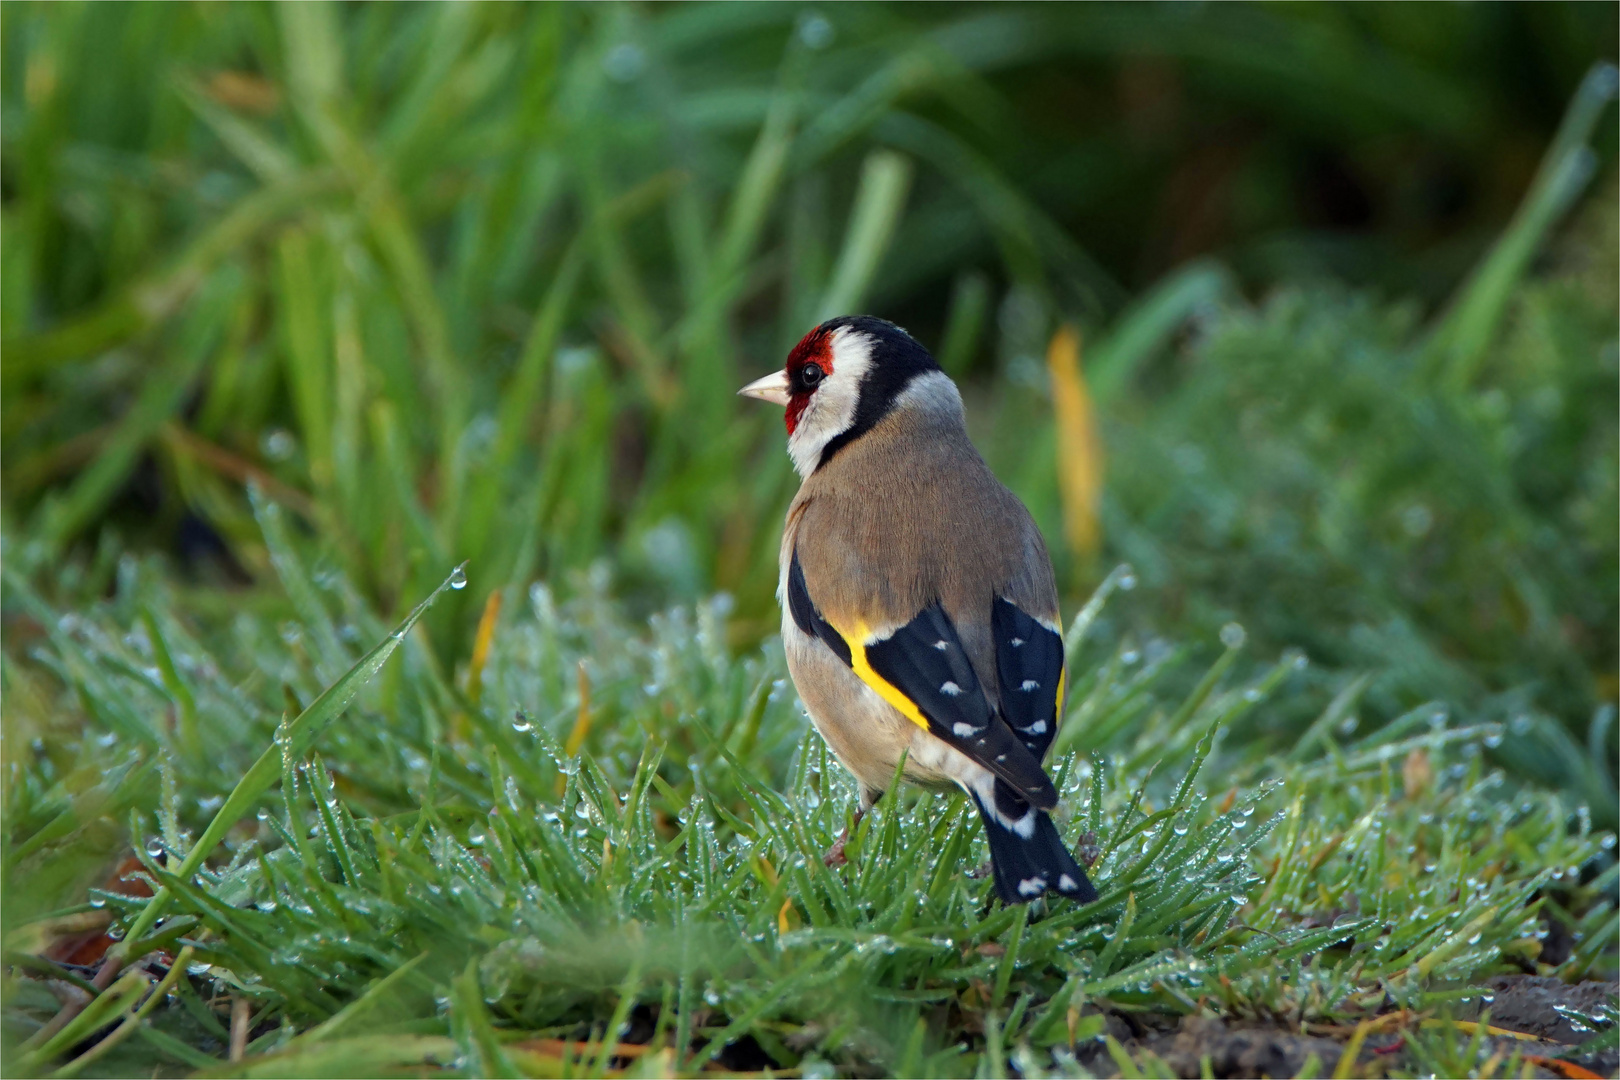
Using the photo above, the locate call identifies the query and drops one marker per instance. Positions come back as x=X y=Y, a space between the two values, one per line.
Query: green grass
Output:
x=465 y=895
x=303 y=307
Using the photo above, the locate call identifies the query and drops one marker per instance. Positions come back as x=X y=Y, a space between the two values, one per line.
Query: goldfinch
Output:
x=919 y=614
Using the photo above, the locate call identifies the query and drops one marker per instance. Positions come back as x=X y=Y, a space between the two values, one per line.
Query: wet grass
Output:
x=612 y=829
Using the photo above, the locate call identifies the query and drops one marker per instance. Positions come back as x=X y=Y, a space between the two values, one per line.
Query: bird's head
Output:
x=842 y=378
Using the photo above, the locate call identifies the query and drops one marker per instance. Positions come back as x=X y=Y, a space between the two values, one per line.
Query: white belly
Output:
x=864 y=732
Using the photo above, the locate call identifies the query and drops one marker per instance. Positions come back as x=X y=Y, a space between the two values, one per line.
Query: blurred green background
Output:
x=478 y=282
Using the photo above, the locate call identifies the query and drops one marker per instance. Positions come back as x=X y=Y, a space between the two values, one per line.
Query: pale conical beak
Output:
x=772 y=388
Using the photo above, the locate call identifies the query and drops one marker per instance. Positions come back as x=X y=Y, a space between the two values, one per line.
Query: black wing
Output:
x=922 y=670
x=1029 y=663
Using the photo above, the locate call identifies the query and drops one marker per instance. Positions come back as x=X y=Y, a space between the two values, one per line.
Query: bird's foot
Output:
x=835 y=854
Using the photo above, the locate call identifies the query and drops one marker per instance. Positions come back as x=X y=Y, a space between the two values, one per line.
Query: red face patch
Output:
x=814 y=348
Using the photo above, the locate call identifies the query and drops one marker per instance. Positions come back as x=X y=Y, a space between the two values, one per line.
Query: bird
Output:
x=919 y=610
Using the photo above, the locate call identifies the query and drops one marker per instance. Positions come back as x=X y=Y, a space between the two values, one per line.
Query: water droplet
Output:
x=1127 y=578
x=1417 y=520
x=1348 y=725
x=116 y=933
x=1296 y=659
x=624 y=62
x=98 y=901
x=278 y=444
x=521 y=723
x=1179 y=828
x=291 y=632
x=1129 y=656
x=815 y=31
x=458 y=578
x=1233 y=635
x=264 y=814
x=154 y=847
x=1493 y=736
x=1520 y=725
x=475 y=838
x=1252 y=694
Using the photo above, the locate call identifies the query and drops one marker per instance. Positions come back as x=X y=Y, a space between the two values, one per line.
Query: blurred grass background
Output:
x=477 y=282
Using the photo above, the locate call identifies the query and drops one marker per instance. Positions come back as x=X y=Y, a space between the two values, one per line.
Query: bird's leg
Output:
x=1087 y=850
x=835 y=854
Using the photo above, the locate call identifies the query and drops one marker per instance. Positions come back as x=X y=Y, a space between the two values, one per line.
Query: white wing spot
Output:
x=950 y=688
x=1029 y=684
x=1067 y=884
x=1001 y=757
x=962 y=731
x=1032 y=886
x=1037 y=728
x=942 y=644
x=1017 y=641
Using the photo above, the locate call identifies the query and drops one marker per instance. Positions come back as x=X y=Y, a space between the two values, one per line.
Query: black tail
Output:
x=1028 y=867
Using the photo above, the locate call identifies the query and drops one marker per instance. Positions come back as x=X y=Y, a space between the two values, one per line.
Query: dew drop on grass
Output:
x=458 y=578
x=278 y=445
x=154 y=847
x=264 y=814
x=1179 y=828
x=475 y=839
x=1493 y=736
x=815 y=31
x=1127 y=578
x=1233 y=635
x=1129 y=656
x=521 y=723
x=1252 y=694
x=98 y=901
x=1348 y=725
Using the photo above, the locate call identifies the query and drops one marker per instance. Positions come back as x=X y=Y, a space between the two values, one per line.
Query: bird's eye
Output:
x=811 y=374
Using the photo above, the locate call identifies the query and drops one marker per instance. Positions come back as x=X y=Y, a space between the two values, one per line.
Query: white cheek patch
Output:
x=831 y=409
